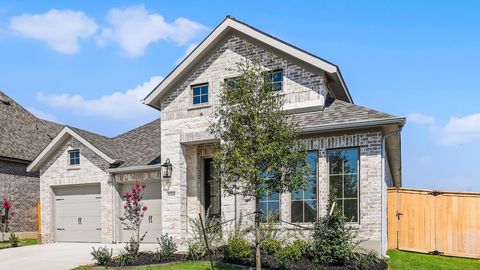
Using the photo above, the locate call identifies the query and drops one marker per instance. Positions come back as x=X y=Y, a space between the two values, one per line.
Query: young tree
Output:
x=133 y=212
x=259 y=150
x=6 y=214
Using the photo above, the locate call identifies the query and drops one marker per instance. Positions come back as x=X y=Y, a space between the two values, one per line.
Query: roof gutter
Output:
x=135 y=168
x=353 y=125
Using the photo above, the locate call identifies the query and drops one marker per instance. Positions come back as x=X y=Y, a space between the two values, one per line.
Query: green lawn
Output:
x=23 y=242
x=402 y=260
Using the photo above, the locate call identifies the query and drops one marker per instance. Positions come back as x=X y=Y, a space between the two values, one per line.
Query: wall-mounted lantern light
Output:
x=167 y=169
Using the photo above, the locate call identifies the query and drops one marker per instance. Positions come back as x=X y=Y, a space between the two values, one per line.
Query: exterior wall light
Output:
x=167 y=169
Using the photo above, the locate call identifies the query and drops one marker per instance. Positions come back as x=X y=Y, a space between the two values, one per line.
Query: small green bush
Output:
x=287 y=255
x=167 y=247
x=13 y=240
x=102 y=255
x=124 y=258
x=271 y=246
x=305 y=247
x=365 y=261
x=196 y=251
x=238 y=248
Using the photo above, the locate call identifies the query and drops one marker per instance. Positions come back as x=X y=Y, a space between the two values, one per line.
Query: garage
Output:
x=152 y=223
x=78 y=214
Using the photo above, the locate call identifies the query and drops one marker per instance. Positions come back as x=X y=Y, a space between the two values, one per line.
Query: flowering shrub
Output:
x=6 y=214
x=133 y=212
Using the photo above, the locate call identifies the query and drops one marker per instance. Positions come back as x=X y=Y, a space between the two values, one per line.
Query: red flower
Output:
x=6 y=204
x=128 y=195
x=144 y=208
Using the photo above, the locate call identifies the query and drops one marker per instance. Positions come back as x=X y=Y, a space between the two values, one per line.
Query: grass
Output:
x=401 y=260
x=177 y=266
x=22 y=242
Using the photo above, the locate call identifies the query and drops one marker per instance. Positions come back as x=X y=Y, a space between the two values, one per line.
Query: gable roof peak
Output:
x=226 y=27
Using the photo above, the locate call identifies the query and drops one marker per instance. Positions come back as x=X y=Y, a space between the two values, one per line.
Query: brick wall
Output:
x=22 y=189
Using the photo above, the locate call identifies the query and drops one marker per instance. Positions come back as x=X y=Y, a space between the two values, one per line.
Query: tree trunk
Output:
x=258 y=261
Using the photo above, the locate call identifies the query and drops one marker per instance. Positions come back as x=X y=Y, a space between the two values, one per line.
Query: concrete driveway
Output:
x=61 y=256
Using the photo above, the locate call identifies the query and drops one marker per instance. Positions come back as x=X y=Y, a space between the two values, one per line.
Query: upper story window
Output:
x=304 y=201
x=343 y=171
x=231 y=82
x=74 y=157
x=276 y=79
x=200 y=94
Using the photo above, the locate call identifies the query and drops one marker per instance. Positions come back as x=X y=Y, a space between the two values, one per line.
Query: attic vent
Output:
x=4 y=100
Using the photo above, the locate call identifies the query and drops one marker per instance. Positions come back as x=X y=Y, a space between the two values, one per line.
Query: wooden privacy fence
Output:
x=438 y=222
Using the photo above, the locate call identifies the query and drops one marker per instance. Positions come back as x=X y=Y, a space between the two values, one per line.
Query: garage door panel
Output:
x=78 y=214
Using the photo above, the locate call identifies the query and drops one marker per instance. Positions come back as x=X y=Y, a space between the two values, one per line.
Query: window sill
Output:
x=199 y=107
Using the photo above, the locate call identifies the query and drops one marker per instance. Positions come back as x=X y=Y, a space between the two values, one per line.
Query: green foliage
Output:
x=167 y=247
x=304 y=246
x=133 y=213
x=13 y=239
x=196 y=251
x=238 y=248
x=213 y=231
x=332 y=240
x=270 y=246
x=124 y=258
x=365 y=261
x=102 y=255
x=287 y=255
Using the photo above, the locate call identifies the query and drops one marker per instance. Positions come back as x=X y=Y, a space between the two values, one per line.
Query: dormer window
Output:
x=200 y=94
x=276 y=79
x=74 y=157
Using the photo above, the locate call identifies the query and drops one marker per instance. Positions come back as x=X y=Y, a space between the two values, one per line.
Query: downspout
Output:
x=384 y=249
x=113 y=182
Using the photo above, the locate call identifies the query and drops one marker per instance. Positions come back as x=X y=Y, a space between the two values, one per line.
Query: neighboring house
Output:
x=22 y=137
x=352 y=149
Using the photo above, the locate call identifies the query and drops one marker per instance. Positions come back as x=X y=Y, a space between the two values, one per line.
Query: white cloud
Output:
x=420 y=118
x=124 y=105
x=60 y=29
x=459 y=130
x=134 y=28
x=42 y=115
x=190 y=48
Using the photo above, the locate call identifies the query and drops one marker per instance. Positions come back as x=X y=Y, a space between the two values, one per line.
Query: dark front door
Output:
x=212 y=190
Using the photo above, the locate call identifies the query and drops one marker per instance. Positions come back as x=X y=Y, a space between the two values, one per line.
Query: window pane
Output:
x=204 y=98
x=350 y=161
x=274 y=196
x=310 y=211
x=277 y=76
x=311 y=191
x=336 y=162
x=336 y=185
x=338 y=205
x=204 y=90
x=350 y=186
x=262 y=206
x=196 y=91
x=196 y=100
x=277 y=86
x=351 y=210
x=297 y=195
x=297 y=211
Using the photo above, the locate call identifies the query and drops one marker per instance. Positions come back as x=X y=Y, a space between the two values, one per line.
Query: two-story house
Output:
x=352 y=149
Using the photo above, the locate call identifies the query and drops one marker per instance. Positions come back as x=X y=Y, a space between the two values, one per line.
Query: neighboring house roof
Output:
x=22 y=135
x=231 y=25
x=338 y=114
x=138 y=147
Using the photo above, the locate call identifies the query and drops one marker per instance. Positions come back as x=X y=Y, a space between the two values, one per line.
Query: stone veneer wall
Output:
x=22 y=189
x=57 y=172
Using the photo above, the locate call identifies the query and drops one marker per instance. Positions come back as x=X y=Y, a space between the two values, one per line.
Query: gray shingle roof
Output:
x=22 y=135
x=339 y=112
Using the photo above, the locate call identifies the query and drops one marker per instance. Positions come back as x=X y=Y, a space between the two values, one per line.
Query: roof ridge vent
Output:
x=4 y=100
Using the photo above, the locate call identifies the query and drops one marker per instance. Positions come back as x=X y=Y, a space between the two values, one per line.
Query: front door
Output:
x=212 y=190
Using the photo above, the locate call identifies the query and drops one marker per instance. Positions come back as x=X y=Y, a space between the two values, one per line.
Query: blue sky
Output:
x=75 y=62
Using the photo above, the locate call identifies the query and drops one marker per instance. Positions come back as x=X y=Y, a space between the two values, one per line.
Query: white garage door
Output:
x=152 y=198
x=77 y=214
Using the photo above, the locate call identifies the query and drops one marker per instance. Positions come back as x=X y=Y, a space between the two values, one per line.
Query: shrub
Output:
x=196 y=251
x=167 y=247
x=271 y=246
x=213 y=230
x=133 y=212
x=304 y=246
x=332 y=240
x=366 y=261
x=287 y=255
x=238 y=248
x=13 y=240
x=124 y=258
x=102 y=255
